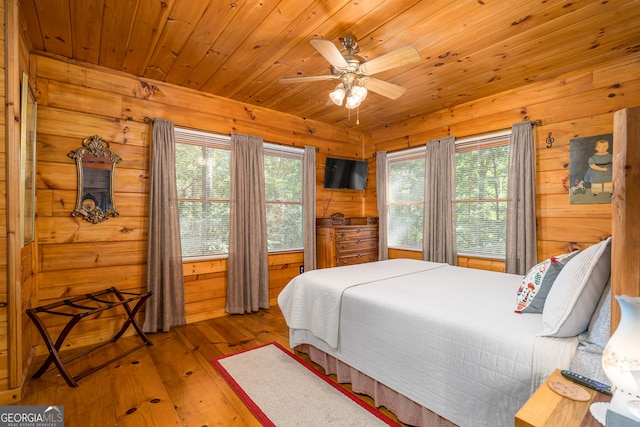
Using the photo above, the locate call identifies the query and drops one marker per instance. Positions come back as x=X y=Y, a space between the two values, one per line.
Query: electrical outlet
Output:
x=301 y=269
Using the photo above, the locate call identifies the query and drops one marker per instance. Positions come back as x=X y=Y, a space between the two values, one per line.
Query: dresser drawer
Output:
x=355 y=233
x=359 y=258
x=356 y=245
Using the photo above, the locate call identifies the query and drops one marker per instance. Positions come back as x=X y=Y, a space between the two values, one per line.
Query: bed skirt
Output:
x=405 y=409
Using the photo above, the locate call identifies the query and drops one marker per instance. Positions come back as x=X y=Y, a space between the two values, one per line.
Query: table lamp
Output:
x=621 y=363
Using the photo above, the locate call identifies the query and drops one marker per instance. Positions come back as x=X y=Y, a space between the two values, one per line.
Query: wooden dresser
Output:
x=346 y=241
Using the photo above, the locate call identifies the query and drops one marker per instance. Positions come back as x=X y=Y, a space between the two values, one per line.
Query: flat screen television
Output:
x=345 y=174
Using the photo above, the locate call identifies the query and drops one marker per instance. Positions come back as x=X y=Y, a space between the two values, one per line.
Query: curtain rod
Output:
x=150 y=120
x=533 y=123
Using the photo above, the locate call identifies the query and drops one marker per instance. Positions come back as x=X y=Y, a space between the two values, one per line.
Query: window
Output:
x=203 y=171
x=283 y=197
x=481 y=195
x=406 y=198
x=203 y=164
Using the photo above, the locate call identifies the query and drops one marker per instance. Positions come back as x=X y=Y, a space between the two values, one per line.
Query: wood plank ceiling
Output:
x=240 y=49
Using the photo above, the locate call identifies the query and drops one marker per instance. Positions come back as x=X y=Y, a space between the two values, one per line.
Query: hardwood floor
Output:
x=171 y=383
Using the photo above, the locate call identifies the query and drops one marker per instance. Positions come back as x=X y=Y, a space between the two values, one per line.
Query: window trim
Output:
x=203 y=139
x=483 y=139
x=290 y=152
x=397 y=157
x=496 y=139
x=214 y=139
x=295 y=152
x=220 y=141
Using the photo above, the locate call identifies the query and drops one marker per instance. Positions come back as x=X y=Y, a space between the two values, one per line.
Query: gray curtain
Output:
x=522 y=252
x=248 y=285
x=164 y=252
x=309 y=203
x=439 y=229
x=381 y=194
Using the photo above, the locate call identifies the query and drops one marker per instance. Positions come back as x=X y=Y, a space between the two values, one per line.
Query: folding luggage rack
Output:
x=77 y=308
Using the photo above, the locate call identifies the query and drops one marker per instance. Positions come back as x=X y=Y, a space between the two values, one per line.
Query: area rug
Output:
x=283 y=390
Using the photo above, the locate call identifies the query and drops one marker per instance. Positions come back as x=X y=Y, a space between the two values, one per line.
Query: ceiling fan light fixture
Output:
x=359 y=92
x=356 y=95
x=354 y=72
x=337 y=96
x=352 y=103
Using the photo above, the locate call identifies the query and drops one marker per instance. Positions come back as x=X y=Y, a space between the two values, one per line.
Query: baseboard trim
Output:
x=11 y=397
x=14 y=395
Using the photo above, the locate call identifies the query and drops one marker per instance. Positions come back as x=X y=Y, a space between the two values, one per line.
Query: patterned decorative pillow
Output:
x=537 y=283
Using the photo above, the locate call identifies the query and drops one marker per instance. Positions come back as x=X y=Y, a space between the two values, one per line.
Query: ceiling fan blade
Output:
x=396 y=58
x=307 y=79
x=390 y=90
x=330 y=53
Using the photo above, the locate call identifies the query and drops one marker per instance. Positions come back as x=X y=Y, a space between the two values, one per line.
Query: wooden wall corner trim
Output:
x=625 y=205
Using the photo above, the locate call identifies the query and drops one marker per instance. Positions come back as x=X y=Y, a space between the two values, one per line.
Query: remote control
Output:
x=587 y=382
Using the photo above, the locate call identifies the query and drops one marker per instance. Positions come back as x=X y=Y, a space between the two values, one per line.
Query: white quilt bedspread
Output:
x=312 y=300
x=448 y=339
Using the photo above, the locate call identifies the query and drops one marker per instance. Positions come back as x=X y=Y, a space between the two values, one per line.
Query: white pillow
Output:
x=576 y=291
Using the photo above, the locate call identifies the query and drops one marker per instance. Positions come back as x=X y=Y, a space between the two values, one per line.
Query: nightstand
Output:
x=548 y=408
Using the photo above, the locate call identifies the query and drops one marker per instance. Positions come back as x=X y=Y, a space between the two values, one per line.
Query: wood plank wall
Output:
x=576 y=105
x=4 y=327
x=75 y=256
x=75 y=101
x=28 y=257
x=16 y=264
x=19 y=287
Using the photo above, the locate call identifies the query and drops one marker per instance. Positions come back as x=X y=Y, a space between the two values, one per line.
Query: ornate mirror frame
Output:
x=96 y=164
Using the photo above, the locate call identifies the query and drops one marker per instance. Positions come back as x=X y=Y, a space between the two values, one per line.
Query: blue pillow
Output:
x=588 y=358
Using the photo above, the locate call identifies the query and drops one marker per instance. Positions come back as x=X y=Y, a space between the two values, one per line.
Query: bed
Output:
x=444 y=339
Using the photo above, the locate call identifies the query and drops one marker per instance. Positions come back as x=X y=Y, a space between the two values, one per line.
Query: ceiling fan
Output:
x=355 y=73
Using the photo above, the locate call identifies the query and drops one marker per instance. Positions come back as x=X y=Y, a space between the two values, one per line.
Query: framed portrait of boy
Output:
x=590 y=169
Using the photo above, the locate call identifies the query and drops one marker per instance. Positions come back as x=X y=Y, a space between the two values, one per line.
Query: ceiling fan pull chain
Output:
x=358 y=115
